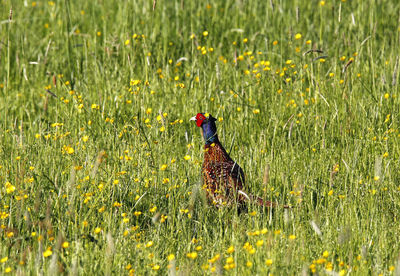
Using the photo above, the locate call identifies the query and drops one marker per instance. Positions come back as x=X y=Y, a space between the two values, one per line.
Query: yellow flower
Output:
x=325 y=254
x=259 y=243
x=171 y=257
x=205 y=33
x=156 y=267
x=70 y=150
x=275 y=42
x=192 y=255
x=230 y=249
x=297 y=36
x=65 y=244
x=214 y=259
x=229 y=260
x=322 y=3
x=9 y=188
x=164 y=217
x=127 y=42
x=85 y=138
x=3 y=260
x=149 y=244
x=329 y=266
x=134 y=82
x=97 y=230
x=47 y=253
x=256 y=111
x=249 y=264
x=292 y=237
x=187 y=157
x=264 y=231
x=268 y=262
x=8 y=270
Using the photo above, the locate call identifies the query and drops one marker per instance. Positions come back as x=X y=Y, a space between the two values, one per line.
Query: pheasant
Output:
x=223 y=178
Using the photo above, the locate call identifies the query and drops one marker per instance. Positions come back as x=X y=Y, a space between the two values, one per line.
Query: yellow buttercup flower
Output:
x=47 y=253
x=230 y=249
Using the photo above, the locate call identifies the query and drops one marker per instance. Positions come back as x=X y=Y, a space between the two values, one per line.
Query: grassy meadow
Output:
x=100 y=165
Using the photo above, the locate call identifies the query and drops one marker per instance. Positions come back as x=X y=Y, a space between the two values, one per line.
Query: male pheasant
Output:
x=223 y=178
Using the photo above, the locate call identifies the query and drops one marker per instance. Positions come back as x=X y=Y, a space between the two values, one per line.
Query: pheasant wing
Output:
x=226 y=175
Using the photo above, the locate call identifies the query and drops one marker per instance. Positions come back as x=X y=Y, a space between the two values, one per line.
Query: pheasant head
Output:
x=207 y=123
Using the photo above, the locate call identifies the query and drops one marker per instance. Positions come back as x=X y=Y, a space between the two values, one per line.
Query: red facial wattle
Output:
x=200 y=118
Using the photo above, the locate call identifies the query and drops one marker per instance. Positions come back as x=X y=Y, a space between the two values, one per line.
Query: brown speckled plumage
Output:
x=223 y=178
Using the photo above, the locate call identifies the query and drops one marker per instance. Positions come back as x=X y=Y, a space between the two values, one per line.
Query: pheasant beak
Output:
x=193 y=118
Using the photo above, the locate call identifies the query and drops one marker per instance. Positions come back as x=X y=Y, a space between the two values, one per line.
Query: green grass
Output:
x=81 y=185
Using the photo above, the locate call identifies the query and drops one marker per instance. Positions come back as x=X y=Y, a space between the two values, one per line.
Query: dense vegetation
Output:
x=100 y=166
